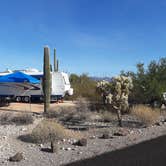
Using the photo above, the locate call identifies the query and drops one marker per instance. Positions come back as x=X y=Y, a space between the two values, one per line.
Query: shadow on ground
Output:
x=148 y=153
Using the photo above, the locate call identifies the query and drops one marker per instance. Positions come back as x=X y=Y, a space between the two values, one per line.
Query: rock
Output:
x=63 y=140
x=121 y=132
x=81 y=142
x=68 y=149
x=16 y=158
x=158 y=123
x=93 y=137
x=105 y=136
x=41 y=145
x=163 y=106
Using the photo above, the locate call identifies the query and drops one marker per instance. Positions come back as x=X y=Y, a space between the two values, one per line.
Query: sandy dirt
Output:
x=34 y=107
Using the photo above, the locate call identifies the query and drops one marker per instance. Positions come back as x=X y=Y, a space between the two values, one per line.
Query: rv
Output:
x=30 y=88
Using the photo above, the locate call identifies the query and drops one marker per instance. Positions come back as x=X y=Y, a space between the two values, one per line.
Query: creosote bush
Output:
x=47 y=131
x=18 y=119
x=146 y=114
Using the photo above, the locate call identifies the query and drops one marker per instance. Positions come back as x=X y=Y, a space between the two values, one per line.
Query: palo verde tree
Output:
x=46 y=79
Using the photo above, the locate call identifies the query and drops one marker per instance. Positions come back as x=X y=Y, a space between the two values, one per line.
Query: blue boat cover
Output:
x=19 y=77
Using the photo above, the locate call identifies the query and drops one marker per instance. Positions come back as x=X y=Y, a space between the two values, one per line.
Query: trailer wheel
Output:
x=26 y=99
x=18 y=99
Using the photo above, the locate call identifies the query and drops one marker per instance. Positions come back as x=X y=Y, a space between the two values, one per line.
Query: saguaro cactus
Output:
x=55 y=61
x=46 y=79
x=57 y=66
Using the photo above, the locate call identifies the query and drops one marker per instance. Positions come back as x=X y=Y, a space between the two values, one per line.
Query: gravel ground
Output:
x=33 y=156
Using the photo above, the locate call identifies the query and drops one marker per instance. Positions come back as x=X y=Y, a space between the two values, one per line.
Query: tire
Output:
x=26 y=99
x=18 y=99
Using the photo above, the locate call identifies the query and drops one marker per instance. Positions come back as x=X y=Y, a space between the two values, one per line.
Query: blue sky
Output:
x=99 y=37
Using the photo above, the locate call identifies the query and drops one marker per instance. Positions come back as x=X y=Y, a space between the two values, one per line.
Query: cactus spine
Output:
x=46 y=79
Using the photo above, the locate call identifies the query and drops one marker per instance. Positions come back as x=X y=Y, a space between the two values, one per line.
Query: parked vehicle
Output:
x=26 y=85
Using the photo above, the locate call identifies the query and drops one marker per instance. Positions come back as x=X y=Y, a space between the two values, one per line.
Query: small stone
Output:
x=23 y=129
x=68 y=149
x=81 y=142
x=121 y=132
x=93 y=137
x=63 y=140
x=158 y=123
x=41 y=145
x=105 y=135
x=16 y=158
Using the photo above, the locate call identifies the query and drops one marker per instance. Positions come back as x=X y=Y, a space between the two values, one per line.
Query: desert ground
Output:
x=12 y=137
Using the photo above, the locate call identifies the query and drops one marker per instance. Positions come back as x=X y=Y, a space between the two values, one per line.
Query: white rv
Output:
x=26 y=91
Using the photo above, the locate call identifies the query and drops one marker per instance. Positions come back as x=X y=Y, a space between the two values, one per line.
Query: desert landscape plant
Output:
x=46 y=79
x=145 y=114
x=120 y=92
x=47 y=131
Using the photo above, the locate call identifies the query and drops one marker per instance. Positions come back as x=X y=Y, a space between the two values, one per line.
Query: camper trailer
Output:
x=26 y=85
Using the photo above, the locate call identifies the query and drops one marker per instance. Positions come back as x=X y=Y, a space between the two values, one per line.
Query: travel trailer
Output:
x=26 y=85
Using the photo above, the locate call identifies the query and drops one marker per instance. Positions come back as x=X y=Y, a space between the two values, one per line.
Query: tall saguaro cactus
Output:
x=57 y=65
x=46 y=79
x=55 y=61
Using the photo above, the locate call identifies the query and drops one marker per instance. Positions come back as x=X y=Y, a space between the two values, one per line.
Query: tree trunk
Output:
x=119 y=118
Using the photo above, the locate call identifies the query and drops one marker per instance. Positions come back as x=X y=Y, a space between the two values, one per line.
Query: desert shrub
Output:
x=146 y=114
x=18 y=119
x=47 y=131
x=23 y=119
x=83 y=86
x=107 y=116
x=6 y=119
x=82 y=104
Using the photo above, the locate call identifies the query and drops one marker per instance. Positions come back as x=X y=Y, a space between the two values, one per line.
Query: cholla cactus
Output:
x=121 y=88
x=103 y=87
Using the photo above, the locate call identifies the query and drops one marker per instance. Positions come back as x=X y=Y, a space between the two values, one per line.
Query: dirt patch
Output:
x=33 y=108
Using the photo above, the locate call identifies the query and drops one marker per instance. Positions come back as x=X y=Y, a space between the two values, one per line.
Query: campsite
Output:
x=82 y=82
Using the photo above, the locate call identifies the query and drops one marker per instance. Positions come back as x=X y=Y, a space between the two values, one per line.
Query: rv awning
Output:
x=19 y=77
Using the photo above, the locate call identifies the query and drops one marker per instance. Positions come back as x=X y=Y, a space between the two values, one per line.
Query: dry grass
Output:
x=146 y=114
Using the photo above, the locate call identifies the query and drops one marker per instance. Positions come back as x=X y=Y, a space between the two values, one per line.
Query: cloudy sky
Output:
x=99 y=37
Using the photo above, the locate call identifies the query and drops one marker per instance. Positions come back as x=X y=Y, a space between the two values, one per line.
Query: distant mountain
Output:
x=101 y=78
